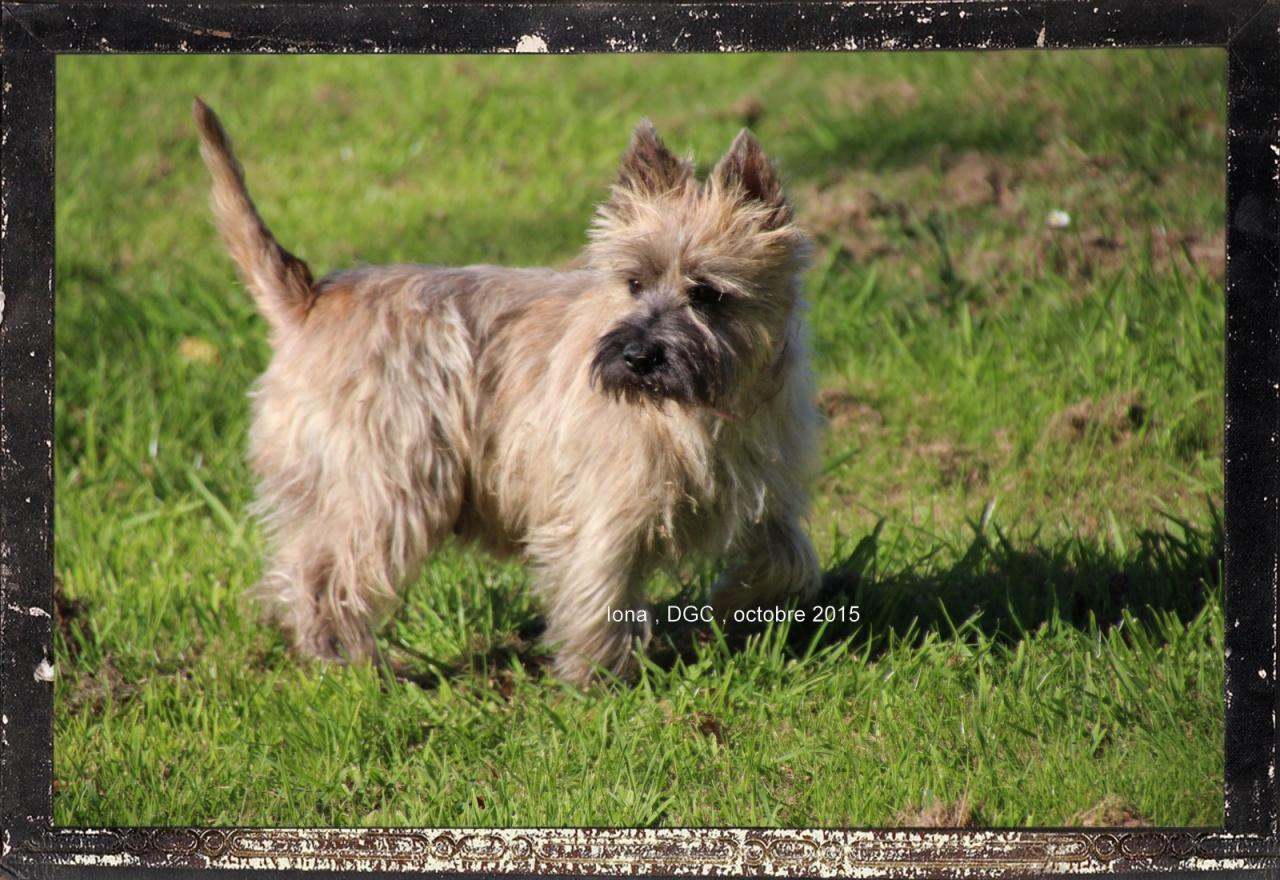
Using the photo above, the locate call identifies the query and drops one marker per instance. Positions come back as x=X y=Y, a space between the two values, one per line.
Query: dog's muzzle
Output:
x=642 y=358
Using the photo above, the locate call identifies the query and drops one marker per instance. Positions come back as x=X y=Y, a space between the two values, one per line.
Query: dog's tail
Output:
x=281 y=284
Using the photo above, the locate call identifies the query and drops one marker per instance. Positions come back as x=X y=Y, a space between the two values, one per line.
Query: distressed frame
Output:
x=32 y=34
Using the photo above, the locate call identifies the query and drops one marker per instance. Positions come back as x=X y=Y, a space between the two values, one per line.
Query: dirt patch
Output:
x=1077 y=255
x=957 y=466
x=858 y=94
x=1204 y=251
x=856 y=219
x=747 y=110
x=1101 y=222
x=842 y=409
x=1116 y=417
x=495 y=660
x=332 y=94
x=699 y=722
x=70 y=619
x=1092 y=253
x=90 y=693
x=973 y=180
x=1110 y=812
x=939 y=814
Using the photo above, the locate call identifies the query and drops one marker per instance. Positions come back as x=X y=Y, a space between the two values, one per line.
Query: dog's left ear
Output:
x=746 y=169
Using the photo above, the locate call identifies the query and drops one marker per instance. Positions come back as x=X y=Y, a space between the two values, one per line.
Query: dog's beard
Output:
x=693 y=366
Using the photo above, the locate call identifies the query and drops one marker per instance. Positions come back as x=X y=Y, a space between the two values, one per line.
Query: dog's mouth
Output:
x=656 y=386
x=638 y=369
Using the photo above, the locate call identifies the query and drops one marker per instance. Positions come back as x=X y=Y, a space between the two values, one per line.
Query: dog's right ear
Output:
x=648 y=167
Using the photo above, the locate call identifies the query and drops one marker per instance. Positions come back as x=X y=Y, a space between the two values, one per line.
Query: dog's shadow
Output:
x=994 y=586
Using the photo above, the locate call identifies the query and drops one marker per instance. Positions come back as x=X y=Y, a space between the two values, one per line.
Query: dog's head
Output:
x=705 y=274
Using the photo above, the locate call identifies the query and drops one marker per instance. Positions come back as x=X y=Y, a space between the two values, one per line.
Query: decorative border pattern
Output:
x=729 y=851
x=32 y=34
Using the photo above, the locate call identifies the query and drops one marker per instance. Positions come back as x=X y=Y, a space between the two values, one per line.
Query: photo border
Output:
x=32 y=34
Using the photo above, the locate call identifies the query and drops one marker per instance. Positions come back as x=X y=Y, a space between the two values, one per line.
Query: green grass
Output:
x=1022 y=461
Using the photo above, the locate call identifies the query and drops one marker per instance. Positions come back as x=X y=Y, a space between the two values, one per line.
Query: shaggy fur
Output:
x=653 y=406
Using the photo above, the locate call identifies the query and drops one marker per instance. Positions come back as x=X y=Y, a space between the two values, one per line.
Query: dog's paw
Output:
x=584 y=674
x=731 y=594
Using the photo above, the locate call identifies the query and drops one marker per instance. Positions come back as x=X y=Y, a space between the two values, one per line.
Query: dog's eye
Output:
x=704 y=295
x=634 y=285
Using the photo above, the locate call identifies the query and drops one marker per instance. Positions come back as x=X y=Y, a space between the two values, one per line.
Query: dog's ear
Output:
x=746 y=170
x=648 y=167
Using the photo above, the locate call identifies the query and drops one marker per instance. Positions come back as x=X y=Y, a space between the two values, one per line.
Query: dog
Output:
x=653 y=406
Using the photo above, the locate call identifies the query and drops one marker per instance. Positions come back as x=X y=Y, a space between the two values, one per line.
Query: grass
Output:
x=1022 y=463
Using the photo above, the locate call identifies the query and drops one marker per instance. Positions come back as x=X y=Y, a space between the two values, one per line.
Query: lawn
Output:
x=1017 y=313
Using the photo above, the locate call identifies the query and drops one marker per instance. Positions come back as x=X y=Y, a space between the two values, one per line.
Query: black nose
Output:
x=642 y=357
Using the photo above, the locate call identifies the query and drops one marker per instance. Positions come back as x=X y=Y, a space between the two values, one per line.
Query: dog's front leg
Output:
x=775 y=561
x=596 y=612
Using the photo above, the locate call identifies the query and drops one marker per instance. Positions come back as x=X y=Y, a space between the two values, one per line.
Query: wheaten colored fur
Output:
x=406 y=405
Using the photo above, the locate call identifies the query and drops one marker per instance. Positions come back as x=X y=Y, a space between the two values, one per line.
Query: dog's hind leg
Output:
x=362 y=464
x=328 y=596
x=335 y=578
x=302 y=592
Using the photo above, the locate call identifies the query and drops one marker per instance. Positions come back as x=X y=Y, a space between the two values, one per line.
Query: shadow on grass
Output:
x=992 y=587
x=493 y=660
x=1000 y=590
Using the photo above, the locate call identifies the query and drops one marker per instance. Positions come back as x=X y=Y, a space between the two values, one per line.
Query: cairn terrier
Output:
x=653 y=406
